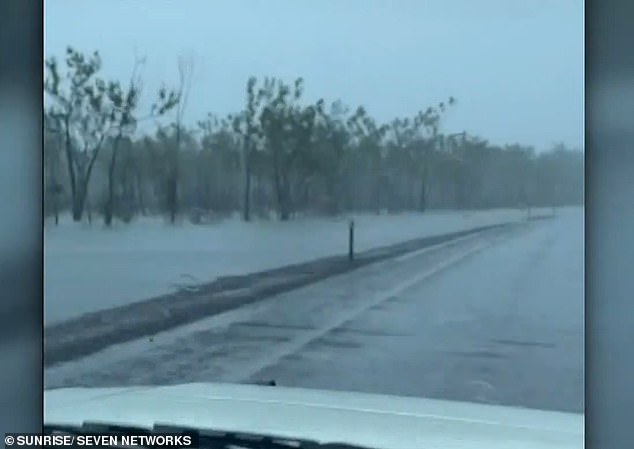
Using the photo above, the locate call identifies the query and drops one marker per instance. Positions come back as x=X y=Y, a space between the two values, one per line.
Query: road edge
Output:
x=92 y=332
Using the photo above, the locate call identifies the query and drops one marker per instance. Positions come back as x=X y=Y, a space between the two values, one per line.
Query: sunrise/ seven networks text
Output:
x=95 y=440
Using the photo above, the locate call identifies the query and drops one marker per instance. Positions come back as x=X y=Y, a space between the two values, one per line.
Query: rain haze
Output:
x=426 y=242
x=515 y=67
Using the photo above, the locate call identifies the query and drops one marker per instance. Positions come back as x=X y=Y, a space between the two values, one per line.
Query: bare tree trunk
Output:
x=173 y=186
x=422 y=205
x=109 y=206
x=79 y=200
x=306 y=194
x=76 y=207
x=247 y=187
x=56 y=210
x=129 y=191
x=81 y=189
x=57 y=189
x=283 y=197
x=280 y=190
x=139 y=187
x=185 y=76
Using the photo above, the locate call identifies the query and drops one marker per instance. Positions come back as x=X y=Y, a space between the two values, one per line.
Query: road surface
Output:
x=493 y=318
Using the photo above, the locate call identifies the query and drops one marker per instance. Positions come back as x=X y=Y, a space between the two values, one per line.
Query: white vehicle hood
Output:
x=376 y=421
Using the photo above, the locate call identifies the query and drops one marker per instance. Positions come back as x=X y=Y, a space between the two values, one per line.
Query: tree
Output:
x=124 y=121
x=368 y=148
x=85 y=115
x=324 y=158
x=279 y=152
x=185 y=73
x=287 y=128
x=53 y=143
x=218 y=164
x=248 y=128
x=428 y=142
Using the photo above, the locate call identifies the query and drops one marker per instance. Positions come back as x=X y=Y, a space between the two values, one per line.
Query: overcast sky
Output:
x=515 y=66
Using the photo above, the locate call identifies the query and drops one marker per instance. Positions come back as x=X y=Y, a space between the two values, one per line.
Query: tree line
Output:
x=279 y=154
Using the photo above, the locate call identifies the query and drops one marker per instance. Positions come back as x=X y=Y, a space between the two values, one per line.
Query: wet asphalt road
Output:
x=494 y=318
